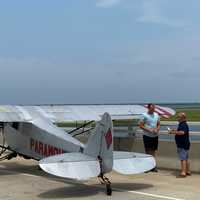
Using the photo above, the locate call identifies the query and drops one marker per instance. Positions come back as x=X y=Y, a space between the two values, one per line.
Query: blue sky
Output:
x=99 y=51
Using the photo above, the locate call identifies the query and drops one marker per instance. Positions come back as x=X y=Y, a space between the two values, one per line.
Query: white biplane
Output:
x=31 y=132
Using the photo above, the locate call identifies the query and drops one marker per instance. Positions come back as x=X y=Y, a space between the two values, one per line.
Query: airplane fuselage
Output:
x=29 y=140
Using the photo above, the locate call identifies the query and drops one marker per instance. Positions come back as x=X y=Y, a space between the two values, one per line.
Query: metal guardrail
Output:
x=136 y=133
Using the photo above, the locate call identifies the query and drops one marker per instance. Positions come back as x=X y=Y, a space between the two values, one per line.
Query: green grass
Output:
x=191 y=113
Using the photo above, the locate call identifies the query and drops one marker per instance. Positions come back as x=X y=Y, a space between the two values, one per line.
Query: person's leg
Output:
x=151 y=152
x=152 y=146
x=147 y=144
x=188 y=172
x=149 y=148
x=186 y=163
x=154 y=152
x=183 y=159
x=183 y=167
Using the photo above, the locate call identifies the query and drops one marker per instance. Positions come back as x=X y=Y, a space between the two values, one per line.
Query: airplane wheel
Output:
x=108 y=189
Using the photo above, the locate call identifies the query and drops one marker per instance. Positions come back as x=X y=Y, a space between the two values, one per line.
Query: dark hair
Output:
x=149 y=105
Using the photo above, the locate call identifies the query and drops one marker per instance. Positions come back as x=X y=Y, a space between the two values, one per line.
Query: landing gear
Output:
x=109 y=189
x=104 y=180
x=3 y=147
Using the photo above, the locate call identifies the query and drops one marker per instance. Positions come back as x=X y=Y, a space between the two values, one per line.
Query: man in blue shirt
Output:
x=182 y=143
x=150 y=124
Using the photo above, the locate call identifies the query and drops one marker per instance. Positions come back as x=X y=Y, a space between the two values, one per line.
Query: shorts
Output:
x=150 y=143
x=183 y=154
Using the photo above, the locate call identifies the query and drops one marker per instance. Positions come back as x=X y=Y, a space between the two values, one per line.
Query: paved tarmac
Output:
x=21 y=179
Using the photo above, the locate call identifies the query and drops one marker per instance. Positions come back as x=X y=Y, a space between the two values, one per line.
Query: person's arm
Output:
x=175 y=132
x=142 y=126
x=158 y=127
x=182 y=129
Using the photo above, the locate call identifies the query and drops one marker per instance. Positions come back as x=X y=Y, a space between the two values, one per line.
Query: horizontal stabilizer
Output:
x=71 y=165
x=132 y=163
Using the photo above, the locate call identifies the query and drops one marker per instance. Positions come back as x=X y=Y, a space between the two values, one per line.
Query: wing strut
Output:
x=79 y=127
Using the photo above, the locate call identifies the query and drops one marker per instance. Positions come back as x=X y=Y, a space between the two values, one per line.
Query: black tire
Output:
x=108 y=190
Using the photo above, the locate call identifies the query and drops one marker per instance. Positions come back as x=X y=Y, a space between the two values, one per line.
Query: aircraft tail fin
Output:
x=100 y=143
x=96 y=158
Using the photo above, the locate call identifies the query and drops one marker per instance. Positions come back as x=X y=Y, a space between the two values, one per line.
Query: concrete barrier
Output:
x=167 y=155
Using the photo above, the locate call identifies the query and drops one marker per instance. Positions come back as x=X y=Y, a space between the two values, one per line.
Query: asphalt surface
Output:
x=21 y=179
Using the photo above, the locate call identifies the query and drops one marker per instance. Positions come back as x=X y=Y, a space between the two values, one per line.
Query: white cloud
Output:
x=152 y=12
x=107 y=3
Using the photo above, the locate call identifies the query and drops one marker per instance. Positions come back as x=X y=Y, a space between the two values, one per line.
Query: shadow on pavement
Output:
x=90 y=190
x=71 y=191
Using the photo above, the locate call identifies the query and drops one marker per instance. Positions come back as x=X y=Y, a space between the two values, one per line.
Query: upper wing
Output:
x=9 y=113
x=61 y=113
x=65 y=113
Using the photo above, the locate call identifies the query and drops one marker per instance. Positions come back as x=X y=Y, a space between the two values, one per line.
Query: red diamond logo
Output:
x=108 y=138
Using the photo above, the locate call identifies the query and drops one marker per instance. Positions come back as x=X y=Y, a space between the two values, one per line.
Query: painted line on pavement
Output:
x=155 y=195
